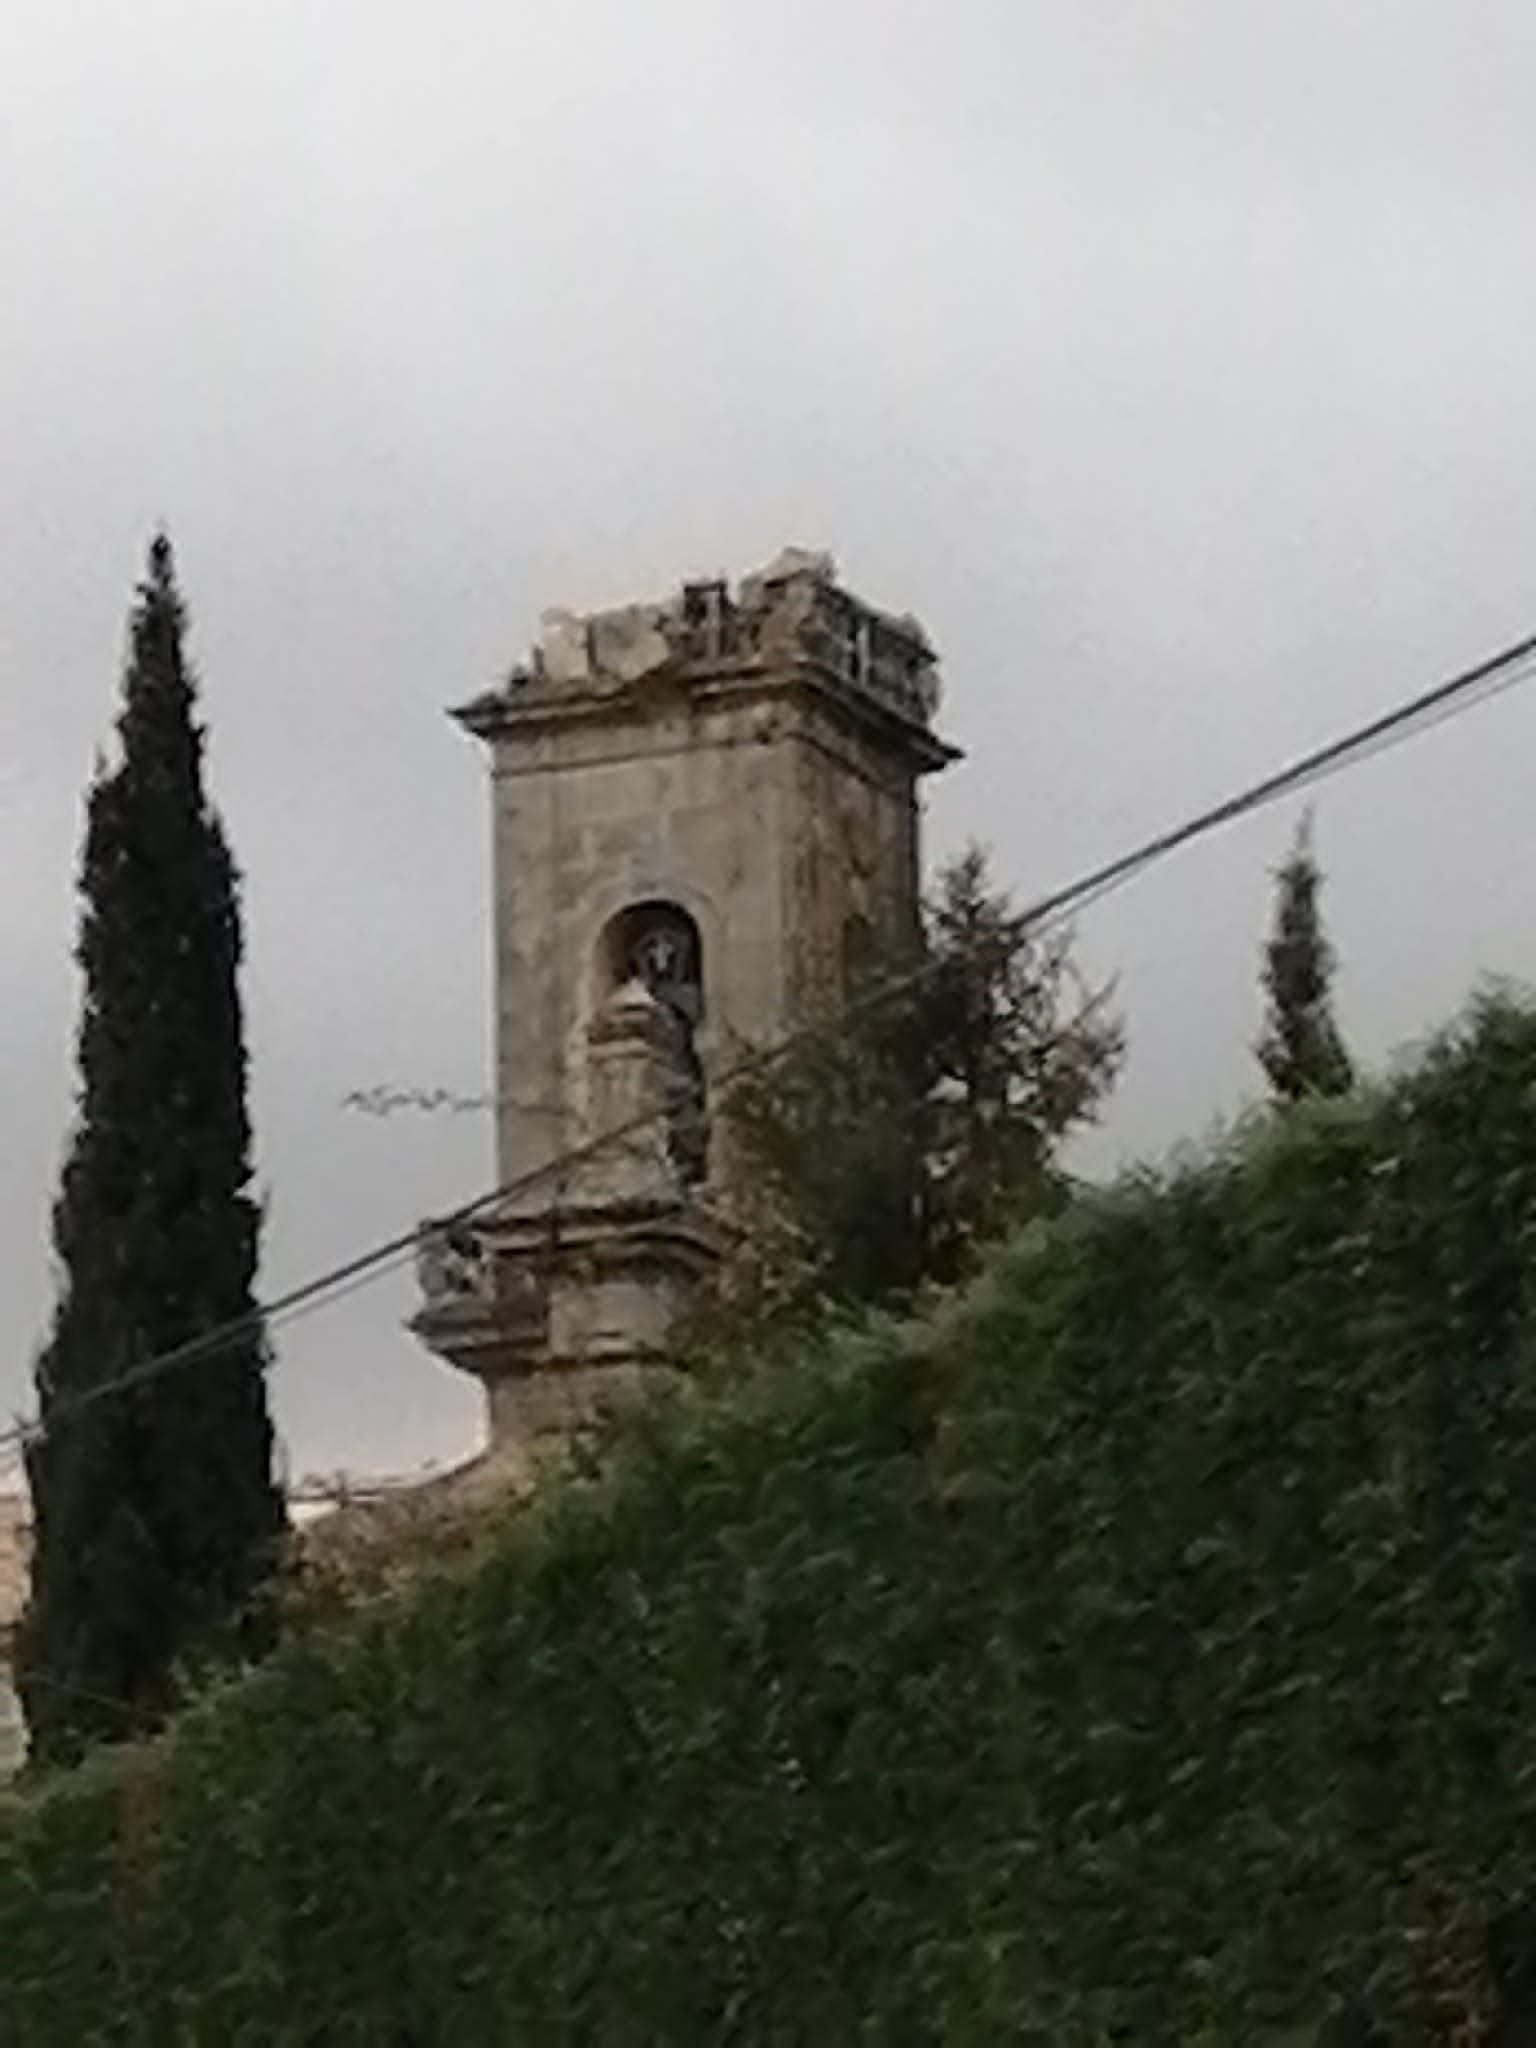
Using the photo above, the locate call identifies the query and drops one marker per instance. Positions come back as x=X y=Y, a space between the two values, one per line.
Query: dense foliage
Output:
x=893 y=1149
x=1144 y=1654
x=1302 y=1050
x=155 y=1512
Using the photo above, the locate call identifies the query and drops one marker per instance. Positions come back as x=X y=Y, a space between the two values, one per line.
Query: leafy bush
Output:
x=1143 y=1652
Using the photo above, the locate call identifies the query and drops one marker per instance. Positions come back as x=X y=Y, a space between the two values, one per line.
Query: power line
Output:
x=1433 y=707
x=1430 y=708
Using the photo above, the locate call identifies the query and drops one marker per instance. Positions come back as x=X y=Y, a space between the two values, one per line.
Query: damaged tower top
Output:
x=792 y=612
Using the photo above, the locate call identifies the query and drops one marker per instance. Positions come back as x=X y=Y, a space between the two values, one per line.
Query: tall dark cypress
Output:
x=157 y=1517
x=1301 y=1051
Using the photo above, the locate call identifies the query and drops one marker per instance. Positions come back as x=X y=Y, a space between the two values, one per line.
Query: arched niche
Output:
x=657 y=943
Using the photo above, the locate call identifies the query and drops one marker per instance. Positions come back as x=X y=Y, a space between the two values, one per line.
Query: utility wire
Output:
x=1431 y=707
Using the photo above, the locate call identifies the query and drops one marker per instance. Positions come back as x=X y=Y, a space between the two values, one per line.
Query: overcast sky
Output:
x=1172 y=359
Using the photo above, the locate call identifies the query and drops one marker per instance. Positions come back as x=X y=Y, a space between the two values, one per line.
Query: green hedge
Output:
x=1145 y=1652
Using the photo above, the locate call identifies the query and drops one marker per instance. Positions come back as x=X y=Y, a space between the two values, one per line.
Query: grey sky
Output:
x=1173 y=361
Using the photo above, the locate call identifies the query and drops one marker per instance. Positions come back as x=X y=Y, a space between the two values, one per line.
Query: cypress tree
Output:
x=1301 y=1050
x=156 y=1515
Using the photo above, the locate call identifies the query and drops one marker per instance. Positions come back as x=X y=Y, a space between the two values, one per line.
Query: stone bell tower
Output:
x=704 y=809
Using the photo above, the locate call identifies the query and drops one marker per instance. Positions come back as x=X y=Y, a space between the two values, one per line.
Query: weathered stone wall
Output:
x=15 y=1553
x=675 y=802
x=854 y=853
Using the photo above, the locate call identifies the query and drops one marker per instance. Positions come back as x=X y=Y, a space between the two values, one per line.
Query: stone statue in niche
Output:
x=664 y=958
